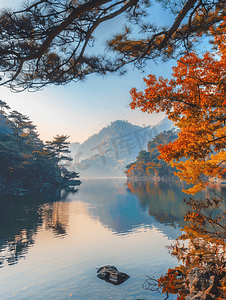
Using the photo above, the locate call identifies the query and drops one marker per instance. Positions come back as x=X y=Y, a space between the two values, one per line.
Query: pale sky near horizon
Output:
x=83 y=108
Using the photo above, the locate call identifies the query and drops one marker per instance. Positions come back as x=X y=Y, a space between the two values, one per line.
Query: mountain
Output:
x=164 y=125
x=74 y=147
x=106 y=153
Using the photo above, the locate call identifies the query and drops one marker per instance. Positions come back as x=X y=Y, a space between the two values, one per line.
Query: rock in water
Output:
x=112 y=275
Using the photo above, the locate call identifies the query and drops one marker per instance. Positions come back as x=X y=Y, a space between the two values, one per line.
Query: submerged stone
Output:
x=112 y=275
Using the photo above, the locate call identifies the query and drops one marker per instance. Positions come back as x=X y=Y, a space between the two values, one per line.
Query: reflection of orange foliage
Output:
x=195 y=101
x=130 y=187
x=156 y=184
x=173 y=283
x=148 y=187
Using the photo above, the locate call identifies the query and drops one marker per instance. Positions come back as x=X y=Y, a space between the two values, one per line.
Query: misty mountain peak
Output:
x=107 y=152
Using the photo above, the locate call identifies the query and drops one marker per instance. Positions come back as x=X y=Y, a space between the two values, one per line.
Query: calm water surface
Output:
x=50 y=246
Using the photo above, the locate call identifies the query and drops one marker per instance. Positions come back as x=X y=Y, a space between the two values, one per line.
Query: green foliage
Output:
x=147 y=163
x=47 y=42
x=25 y=160
x=59 y=147
x=3 y=106
x=143 y=156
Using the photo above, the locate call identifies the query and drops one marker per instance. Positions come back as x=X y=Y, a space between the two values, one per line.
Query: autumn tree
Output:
x=200 y=247
x=46 y=42
x=194 y=99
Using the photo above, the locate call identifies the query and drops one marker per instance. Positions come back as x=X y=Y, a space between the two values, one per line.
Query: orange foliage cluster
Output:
x=142 y=169
x=205 y=243
x=194 y=99
x=173 y=283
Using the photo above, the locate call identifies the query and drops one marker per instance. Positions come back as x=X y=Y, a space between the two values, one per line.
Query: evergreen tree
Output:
x=59 y=147
x=26 y=161
x=3 y=106
x=46 y=41
x=23 y=129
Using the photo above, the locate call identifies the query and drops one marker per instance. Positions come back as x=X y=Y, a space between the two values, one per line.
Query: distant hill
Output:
x=106 y=153
x=74 y=147
x=164 y=125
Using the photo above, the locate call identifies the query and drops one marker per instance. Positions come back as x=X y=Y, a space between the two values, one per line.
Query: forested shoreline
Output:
x=26 y=162
x=52 y=43
x=147 y=165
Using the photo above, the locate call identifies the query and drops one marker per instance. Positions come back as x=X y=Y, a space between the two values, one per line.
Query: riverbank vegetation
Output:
x=26 y=162
x=147 y=165
x=194 y=99
x=33 y=44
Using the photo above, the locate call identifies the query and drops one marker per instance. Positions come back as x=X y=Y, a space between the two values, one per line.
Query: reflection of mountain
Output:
x=20 y=219
x=108 y=152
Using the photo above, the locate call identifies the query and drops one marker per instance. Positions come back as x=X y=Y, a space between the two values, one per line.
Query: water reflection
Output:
x=123 y=210
x=163 y=200
x=55 y=217
x=21 y=218
x=65 y=238
x=16 y=248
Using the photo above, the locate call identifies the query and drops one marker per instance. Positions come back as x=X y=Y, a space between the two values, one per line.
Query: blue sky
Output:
x=83 y=108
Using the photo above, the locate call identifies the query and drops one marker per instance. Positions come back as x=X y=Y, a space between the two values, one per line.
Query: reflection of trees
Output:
x=18 y=225
x=55 y=216
x=201 y=248
x=204 y=251
x=17 y=247
x=162 y=199
x=21 y=218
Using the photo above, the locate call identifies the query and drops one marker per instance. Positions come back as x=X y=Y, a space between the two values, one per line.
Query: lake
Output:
x=52 y=244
